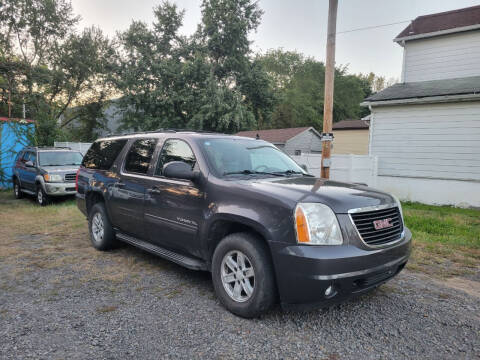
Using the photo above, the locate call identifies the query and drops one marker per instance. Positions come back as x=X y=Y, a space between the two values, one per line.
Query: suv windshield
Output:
x=59 y=158
x=248 y=157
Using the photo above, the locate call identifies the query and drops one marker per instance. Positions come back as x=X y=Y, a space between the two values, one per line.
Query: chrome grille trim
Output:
x=379 y=211
x=70 y=177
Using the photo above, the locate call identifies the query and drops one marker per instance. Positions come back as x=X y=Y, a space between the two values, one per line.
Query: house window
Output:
x=298 y=152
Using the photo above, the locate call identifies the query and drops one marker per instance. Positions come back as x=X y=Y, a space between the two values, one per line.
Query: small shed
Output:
x=15 y=134
x=293 y=141
x=351 y=137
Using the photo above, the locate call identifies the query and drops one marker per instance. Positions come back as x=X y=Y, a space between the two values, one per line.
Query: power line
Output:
x=373 y=27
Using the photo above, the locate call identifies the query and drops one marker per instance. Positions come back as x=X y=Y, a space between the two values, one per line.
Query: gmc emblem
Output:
x=382 y=224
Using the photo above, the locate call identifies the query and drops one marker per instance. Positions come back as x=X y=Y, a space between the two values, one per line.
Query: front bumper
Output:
x=305 y=272
x=60 y=189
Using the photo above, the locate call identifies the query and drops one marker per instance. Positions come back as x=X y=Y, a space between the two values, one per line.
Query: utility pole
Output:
x=327 y=135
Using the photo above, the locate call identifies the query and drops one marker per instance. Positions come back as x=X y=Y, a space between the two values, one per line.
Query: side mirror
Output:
x=178 y=170
x=29 y=164
x=304 y=167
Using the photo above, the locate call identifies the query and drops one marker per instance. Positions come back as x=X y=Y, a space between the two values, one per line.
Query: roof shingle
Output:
x=459 y=86
x=442 y=21
x=350 y=125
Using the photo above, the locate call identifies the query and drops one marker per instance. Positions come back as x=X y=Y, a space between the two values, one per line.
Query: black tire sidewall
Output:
x=45 y=199
x=108 y=241
x=17 y=184
x=264 y=293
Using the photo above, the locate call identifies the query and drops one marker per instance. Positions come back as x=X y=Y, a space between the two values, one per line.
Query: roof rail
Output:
x=47 y=147
x=162 y=130
x=53 y=147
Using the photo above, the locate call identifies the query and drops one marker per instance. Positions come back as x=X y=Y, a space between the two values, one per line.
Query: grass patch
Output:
x=446 y=239
x=55 y=237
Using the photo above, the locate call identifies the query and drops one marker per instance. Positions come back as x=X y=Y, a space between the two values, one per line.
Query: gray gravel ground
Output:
x=172 y=312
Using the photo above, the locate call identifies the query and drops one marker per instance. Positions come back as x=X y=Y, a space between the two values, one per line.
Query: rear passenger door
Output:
x=127 y=197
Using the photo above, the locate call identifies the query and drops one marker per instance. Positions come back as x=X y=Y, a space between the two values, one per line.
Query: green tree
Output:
x=299 y=86
x=47 y=65
x=208 y=80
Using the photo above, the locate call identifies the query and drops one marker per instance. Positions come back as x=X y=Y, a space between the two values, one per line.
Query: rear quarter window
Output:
x=102 y=154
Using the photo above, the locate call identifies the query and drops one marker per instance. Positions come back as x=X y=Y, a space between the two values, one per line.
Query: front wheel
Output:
x=42 y=197
x=242 y=274
x=17 y=191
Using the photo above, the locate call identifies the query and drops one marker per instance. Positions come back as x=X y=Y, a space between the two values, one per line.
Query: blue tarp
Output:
x=13 y=138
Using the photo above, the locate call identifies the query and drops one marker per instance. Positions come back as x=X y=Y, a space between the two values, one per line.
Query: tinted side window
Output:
x=33 y=158
x=102 y=154
x=29 y=156
x=175 y=150
x=25 y=156
x=140 y=155
x=19 y=156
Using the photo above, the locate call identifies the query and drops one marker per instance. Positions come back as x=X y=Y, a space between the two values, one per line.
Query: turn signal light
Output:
x=303 y=235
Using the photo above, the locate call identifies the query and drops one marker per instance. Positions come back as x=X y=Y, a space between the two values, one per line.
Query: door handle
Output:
x=119 y=184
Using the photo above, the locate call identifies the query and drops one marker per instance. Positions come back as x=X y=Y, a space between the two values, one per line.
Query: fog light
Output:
x=329 y=291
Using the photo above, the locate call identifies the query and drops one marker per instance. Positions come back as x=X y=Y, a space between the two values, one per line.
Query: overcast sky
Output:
x=297 y=25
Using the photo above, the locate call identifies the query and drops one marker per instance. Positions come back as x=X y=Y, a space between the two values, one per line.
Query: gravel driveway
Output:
x=82 y=304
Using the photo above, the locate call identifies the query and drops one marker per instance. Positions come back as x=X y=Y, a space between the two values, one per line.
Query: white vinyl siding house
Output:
x=424 y=141
x=446 y=57
x=425 y=131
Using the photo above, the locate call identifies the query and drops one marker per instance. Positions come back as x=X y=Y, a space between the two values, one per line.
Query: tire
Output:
x=101 y=232
x=41 y=197
x=256 y=256
x=17 y=192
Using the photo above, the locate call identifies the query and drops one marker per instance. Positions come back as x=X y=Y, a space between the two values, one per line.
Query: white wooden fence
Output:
x=82 y=147
x=347 y=168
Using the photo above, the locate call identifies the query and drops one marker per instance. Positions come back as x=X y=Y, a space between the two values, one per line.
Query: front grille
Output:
x=364 y=222
x=70 y=177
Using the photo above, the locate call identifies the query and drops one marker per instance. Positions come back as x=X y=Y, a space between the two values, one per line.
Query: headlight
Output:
x=316 y=224
x=53 y=178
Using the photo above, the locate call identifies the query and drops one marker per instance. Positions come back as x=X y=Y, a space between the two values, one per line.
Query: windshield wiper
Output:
x=293 y=172
x=251 y=172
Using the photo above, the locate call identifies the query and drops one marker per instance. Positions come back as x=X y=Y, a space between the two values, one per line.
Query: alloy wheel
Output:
x=97 y=227
x=40 y=196
x=238 y=276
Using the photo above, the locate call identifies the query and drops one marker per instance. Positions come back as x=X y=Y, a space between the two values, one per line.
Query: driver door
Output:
x=29 y=173
x=173 y=207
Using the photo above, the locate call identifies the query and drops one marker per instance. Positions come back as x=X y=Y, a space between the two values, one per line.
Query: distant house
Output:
x=351 y=137
x=426 y=130
x=293 y=141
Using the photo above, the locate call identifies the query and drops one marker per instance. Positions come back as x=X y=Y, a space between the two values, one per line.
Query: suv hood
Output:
x=60 y=169
x=341 y=197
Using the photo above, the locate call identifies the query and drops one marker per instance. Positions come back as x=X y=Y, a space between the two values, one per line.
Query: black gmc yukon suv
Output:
x=245 y=211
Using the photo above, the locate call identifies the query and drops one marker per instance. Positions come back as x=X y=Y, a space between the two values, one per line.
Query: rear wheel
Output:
x=17 y=192
x=42 y=197
x=101 y=231
x=242 y=275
